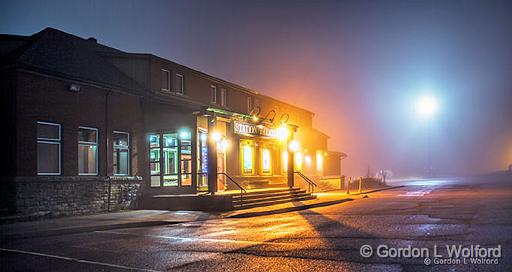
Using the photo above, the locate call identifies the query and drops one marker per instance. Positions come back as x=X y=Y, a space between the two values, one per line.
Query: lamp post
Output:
x=426 y=109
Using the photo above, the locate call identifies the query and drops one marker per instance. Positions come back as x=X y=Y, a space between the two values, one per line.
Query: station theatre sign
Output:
x=254 y=130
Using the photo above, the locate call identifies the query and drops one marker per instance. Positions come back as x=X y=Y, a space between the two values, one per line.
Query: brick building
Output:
x=90 y=128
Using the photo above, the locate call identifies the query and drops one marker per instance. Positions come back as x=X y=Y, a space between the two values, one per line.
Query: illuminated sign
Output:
x=254 y=130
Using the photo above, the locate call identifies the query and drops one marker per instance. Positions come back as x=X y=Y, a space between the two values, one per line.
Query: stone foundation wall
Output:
x=76 y=195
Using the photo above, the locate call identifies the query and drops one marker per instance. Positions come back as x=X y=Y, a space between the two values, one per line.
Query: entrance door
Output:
x=221 y=168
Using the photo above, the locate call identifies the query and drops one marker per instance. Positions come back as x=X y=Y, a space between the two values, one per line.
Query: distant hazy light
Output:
x=426 y=106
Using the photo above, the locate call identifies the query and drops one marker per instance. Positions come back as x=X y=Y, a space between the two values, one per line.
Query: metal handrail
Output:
x=311 y=184
x=242 y=190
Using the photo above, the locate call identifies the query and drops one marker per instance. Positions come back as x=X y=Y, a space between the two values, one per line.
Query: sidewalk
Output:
x=105 y=221
x=145 y=218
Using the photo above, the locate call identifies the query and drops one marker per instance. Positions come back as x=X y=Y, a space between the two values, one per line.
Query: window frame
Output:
x=89 y=144
x=182 y=90
x=223 y=97
x=50 y=141
x=124 y=148
x=179 y=171
x=250 y=105
x=169 y=86
x=213 y=94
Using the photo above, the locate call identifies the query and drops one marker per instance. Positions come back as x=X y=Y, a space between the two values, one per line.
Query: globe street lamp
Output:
x=426 y=109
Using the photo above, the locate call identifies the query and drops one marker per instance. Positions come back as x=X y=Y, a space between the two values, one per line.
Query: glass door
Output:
x=170 y=159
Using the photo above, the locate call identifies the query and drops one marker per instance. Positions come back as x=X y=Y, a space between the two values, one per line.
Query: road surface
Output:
x=425 y=214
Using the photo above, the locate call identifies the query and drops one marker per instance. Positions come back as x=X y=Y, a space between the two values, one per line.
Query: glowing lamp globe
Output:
x=426 y=106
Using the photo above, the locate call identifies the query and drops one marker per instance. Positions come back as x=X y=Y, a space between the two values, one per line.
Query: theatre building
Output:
x=91 y=129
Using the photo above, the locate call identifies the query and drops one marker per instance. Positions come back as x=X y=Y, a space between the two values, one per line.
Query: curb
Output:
x=380 y=189
x=290 y=209
x=63 y=231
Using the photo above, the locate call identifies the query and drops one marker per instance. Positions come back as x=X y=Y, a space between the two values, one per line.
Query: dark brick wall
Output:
x=64 y=196
x=41 y=98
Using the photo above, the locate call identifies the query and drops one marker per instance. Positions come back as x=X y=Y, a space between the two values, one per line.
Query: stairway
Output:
x=269 y=197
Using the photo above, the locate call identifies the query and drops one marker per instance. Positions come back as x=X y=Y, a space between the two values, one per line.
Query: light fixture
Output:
x=426 y=106
x=282 y=132
x=294 y=145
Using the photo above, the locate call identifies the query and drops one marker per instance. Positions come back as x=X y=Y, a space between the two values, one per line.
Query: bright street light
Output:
x=426 y=106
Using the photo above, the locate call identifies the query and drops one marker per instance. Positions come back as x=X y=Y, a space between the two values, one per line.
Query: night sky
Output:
x=359 y=65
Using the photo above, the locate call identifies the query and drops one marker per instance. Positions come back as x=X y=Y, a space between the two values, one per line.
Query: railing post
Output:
x=348 y=185
x=360 y=185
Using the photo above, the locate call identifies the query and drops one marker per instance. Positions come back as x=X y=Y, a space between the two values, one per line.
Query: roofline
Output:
x=28 y=69
x=203 y=75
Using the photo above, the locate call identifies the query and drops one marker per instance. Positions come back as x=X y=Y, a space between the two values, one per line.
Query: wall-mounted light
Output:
x=282 y=132
x=284 y=118
x=294 y=145
x=75 y=88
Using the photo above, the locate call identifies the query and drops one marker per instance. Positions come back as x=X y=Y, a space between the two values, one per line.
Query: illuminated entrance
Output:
x=170 y=159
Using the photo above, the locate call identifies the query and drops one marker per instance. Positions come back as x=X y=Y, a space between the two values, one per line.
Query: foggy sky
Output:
x=359 y=65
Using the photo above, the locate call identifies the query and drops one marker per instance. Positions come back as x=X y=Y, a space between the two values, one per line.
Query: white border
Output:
x=182 y=90
x=50 y=141
x=128 y=149
x=97 y=151
x=213 y=87
x=168 y=80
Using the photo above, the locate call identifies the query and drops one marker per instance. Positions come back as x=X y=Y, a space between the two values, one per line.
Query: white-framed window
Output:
x=121 y=155
x=213 y=94
x=166 y=80
x=250 y=105
x=87 y=151
x=223 y=101
x=180 y=84
x=48 y=148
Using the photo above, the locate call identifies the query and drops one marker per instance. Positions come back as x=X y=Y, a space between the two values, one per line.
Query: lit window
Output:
x=180 y=84
x=266 y=161
x=87 y=151
x=186 y=157
x=307 y=160
x=298 y=161
x=285 y=161
x=48 y=148
x=166 y=80
x=319 y=161
x=170 y=159
x=247 y=160
x=213 y=94
x=121 y=154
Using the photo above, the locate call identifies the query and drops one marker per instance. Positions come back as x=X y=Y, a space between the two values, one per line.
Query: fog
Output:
x=360 y=66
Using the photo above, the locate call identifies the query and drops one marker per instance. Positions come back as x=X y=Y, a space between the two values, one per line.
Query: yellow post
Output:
x=360 y=185
x=348 y=185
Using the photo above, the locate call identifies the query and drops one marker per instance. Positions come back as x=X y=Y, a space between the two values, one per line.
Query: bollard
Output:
x=360 y=185
x=348 y=185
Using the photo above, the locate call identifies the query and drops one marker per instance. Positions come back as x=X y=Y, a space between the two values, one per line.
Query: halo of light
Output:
x=426 y=106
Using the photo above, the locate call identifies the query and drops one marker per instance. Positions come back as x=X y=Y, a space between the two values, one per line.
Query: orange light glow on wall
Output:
x=285 y=161
x=298 y=161
x=319 y=161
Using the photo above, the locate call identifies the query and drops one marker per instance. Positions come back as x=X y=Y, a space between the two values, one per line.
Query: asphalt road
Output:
x=423 y=214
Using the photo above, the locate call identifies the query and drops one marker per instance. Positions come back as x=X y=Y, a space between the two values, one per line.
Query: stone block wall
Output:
x=75 y=195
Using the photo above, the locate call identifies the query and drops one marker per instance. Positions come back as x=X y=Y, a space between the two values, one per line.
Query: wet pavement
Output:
x=423 y=214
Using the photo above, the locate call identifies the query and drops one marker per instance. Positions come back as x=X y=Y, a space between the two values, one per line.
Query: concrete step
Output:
x=269 y=203
x=236 y=193
x=264 y=195
x=289 y=196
